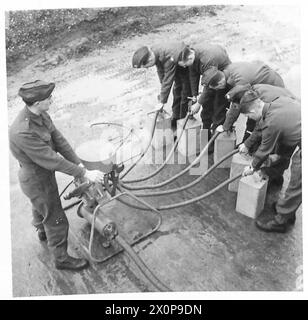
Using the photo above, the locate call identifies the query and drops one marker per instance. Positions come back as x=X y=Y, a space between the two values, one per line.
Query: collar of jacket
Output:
x=37 y=119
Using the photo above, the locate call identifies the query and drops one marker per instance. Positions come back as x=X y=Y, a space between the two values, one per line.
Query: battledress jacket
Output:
x=267 y=93
x=35 y=142
x=280 y=124
x=166 y=61
x=206 y=56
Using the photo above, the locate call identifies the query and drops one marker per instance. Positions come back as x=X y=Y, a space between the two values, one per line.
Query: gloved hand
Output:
x=94 y=175
x=195 y=108
x=248 y=171
x=81 y=165
x=242 y=149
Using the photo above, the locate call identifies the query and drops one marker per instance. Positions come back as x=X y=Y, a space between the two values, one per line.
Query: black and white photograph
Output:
x=154 y=148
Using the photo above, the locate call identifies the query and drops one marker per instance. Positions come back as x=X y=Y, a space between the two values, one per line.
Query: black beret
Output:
x=141 y=57
x=36 y=91
x=208 y=75
x=249 y=96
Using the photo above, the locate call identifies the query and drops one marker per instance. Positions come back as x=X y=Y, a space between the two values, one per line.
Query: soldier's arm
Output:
x=270 y=136
x=194 y=77
x=63 y=147
x=43 y=155
x=160 y=72
x=255 y=137
x=169 y=73
x=231 y=116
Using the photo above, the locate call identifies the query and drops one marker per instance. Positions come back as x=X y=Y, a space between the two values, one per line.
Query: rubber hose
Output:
x=72 y=205
x=191 y=184
x=61 y=194
x=141 y=265
x=146 y=149
x=184 y=203
x=154 y=186
x=193 y=200
x=167 y=159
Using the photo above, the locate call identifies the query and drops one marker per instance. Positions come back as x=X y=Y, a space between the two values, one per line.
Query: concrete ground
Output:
x=206 y=246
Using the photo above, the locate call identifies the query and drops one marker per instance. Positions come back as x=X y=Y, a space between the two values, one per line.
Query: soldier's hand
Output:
x=248 y=171
x=94 y=175
x=160 y=106
x=195 y=108
x=220 y=129
x=273 y=158
x=262 y=174
x=194 y=99
x=242 y=149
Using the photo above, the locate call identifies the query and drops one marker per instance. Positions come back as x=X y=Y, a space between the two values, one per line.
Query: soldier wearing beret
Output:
x=201 y=58
x=266 y=92
x=243 y=73
x=41 y=149
x=279 y=126
x=165 y=57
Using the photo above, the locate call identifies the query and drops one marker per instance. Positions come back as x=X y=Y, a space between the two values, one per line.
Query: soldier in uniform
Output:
x=279 y=123
x=165 y=57
x=199 y=59
x=36 y=143
x=267 y=93
x=243 y=73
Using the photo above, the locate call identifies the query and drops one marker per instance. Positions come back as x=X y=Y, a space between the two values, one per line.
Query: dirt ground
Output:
x=203 y=247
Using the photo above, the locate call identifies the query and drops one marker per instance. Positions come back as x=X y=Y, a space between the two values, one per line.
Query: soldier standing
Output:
x=35 y=142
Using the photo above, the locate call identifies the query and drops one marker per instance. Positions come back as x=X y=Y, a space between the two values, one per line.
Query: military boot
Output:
x=71 y=263
x=279 y=223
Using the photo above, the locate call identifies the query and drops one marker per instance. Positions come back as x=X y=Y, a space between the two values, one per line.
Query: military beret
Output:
x=140 y=57
x=248 y=97
x=236 y=93
x=36 y=91
x=208 y=75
